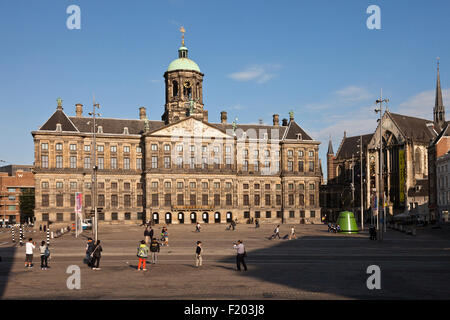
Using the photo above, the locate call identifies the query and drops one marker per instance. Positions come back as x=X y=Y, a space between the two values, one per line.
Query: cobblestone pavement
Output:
x=317 y=265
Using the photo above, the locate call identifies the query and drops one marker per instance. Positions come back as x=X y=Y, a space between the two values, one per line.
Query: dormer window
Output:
x=58 y=127
x=125 y=130
x=299 y=136
x=100 y=129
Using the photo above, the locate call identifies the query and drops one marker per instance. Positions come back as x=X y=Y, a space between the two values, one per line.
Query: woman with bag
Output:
x=96 y=255
x=45 y=254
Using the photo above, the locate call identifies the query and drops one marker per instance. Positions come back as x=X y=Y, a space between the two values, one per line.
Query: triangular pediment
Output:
x=190 y=127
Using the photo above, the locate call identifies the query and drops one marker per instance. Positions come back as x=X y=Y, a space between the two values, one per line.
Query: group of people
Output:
x=93 y=254
x=150 y=246
x=334 y=228
x=29 y=252
x=276 y=233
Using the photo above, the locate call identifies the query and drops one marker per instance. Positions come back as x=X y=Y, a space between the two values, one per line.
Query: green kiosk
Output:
x=347 y=222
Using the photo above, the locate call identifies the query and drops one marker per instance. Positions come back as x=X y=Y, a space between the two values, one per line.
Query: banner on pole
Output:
x=78 y=212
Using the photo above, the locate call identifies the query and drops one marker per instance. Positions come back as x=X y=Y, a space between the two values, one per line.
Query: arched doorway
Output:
x=193 y=217
x=205 y=217
x=217 y=217
x=168 y=218
x=156 y=217
x=181 y=217
x=229 y=217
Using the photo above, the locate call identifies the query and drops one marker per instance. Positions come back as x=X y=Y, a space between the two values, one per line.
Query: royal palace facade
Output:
x=182 y=169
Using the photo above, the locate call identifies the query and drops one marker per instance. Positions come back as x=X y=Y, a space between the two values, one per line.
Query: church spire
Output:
x=439 y=109
x=330 y=147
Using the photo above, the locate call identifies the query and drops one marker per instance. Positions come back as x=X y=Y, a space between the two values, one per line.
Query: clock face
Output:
x=187 y=84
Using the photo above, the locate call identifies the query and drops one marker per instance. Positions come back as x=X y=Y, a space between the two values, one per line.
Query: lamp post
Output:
x=361 y=182
x=93 y=114
x=380 y=190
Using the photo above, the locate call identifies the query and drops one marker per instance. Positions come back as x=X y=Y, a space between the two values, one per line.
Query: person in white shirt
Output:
x=241 y=254
x=292 y=235
x=29 y=247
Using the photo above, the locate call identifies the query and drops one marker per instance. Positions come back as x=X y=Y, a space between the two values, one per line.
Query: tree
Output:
x=26 y=205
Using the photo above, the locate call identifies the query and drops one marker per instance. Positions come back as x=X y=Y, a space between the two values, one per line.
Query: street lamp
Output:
x=361 y=182
x=93 y=114
x=380 y=190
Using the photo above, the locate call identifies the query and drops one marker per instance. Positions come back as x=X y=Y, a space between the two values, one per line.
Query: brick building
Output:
x=14 y=180
x=182 y=169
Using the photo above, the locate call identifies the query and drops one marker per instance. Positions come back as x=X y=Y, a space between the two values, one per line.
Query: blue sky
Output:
x=317 y=58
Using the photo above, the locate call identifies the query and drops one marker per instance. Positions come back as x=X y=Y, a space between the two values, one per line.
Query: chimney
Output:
x=276 y=120
x=79 y=110
x=285 y=122
x=142 y=113
x=223 y=117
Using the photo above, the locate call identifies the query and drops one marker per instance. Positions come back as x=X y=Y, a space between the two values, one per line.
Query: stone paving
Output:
x=318 y=265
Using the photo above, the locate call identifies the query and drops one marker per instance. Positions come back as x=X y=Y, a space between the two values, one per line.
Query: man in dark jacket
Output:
x=151 y=233
x=89 y=249
x=96 y=255
x=154 y=249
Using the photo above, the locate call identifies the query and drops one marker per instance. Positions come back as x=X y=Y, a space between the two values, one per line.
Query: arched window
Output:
x=418 y=161
x=175 y=88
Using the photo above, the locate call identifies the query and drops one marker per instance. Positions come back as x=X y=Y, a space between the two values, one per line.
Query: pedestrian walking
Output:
x=96 y=255
x=256 y=223
x=292 y=234
x=197 y=227
x=166 y=237
x=154 y=249
x=29 y=247
x=89 y=249
x=150 y=232
x=142 y=254
x=198 y=254
x=147 y=236
x=45 y=254
x=241 y=254
x=233 y=224
x=276 y=233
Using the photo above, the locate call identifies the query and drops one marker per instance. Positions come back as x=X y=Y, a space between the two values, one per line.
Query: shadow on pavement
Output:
x=6 y=263
x=337 y=265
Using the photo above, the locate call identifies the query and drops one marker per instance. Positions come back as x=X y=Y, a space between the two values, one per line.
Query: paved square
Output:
x=318 y=265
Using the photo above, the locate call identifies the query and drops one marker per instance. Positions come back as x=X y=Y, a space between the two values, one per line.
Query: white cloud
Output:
x=353 y=94
x=260 y=74
x=421 y=105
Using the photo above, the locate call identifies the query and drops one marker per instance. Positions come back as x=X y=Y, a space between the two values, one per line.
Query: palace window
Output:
x=113 y=163
x=311 y=166
x=139 y=163
x=87 y=162
x=101 y=163
x=44 y=161
x=58 y=147
x=126 y=149
x=87 y=148
x=100 y=148
x=44 y=146
x=126 y=163
x=59 y=162
x=154 y=162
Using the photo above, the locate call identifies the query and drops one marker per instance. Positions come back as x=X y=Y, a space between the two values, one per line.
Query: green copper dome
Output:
x=183 y=62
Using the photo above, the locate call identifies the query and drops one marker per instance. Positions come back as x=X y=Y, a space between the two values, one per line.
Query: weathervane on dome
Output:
x=183 y=31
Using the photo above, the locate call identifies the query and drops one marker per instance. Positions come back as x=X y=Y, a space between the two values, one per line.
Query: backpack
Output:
x=141 y=251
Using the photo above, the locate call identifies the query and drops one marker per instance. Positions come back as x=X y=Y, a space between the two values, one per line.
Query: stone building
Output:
x=343 y=172
x=443 y=187
x=437 y=149
x=411 y=146
x=182 y=169
x=14 y=181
